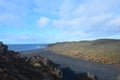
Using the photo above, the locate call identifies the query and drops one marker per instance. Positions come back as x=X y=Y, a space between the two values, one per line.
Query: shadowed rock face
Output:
x=86 y=76
x=14 y=66
x=3 y=48
x=118 y=77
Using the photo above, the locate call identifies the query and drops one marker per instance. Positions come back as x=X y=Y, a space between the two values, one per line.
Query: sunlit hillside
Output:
x=101 y=50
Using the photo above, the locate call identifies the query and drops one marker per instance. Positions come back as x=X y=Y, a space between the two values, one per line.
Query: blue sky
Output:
x=49 y=21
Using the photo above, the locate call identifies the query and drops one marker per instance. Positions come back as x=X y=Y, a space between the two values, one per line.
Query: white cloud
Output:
x=43 y=21
x=89 y=16
x=100 y=18
x=113 y=26
x=74 y=23
x=115 y=22
x=46 y=7
x=65 y=9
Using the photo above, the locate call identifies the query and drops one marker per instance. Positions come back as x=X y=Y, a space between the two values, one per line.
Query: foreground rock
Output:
x=86 y=76
x=14 y=66
x=3 y=48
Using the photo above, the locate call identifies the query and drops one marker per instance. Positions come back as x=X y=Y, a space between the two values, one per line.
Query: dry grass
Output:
x=103 y=50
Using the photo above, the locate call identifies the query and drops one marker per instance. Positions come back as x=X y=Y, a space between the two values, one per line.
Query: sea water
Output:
x=26 y=47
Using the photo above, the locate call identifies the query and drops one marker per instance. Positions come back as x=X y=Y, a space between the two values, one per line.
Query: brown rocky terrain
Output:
x=14 y=66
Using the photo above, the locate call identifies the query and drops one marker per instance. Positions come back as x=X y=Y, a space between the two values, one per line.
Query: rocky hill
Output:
x=101 y=50
x=14 y=66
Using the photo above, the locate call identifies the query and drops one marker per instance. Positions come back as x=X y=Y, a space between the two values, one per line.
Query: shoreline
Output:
x=71 y=56
x=90 y=60
x=72 y=66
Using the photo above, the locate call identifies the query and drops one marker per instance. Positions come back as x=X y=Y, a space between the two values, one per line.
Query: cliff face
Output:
x=14 y=66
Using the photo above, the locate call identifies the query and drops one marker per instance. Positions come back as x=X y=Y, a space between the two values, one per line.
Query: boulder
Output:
x=3 y=48
x=86 y=76
x=118 y=77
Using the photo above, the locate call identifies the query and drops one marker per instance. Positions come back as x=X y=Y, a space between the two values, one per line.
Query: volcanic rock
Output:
x=3 y=48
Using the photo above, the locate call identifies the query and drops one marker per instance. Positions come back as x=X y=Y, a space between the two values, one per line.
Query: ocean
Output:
x=25 y=47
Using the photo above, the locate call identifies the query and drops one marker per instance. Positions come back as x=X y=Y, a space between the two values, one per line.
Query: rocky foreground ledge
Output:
x=14 y=66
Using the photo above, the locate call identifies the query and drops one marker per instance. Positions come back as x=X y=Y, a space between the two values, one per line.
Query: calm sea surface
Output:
x=25 y=47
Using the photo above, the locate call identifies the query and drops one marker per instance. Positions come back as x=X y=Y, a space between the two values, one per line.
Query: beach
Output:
x=71 y=66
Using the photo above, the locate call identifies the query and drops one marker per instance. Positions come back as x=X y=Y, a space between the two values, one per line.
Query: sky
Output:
x=50 y=21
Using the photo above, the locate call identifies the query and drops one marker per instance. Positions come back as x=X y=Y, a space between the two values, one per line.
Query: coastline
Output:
x=71 y=66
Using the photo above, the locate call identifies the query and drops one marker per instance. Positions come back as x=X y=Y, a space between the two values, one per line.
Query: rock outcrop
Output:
x=14 y=66
x=86 y=76
x=118 y=77
x=3 y=48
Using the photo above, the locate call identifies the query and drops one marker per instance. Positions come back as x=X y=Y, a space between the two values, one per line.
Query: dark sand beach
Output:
x=71 y=66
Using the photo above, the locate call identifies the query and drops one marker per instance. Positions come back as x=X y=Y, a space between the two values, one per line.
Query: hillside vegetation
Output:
x=101 y=50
